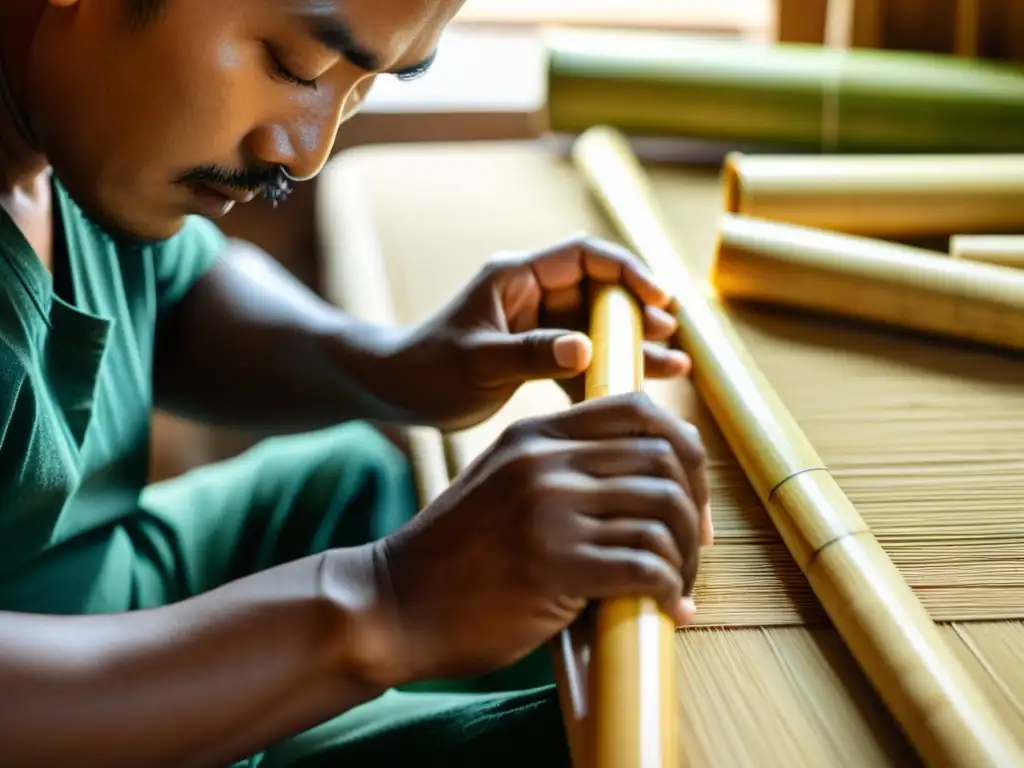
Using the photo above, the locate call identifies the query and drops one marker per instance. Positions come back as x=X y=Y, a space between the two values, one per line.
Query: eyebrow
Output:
x=334 y=33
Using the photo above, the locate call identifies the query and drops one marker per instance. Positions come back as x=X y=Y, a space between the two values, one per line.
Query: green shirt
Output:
x=76 y=391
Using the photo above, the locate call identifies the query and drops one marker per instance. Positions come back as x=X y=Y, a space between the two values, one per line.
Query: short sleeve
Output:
x=181 y=260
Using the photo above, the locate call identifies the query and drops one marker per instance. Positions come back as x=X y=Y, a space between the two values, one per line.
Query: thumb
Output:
x=503 y=358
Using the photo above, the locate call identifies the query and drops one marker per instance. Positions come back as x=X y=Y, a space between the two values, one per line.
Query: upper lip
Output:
x=238 y=195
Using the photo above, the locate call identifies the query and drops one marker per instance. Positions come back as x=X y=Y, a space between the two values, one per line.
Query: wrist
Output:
x=365 y=359
x=369 y=648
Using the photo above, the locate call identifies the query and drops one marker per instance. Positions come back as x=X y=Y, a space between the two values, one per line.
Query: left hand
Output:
x=524 y=317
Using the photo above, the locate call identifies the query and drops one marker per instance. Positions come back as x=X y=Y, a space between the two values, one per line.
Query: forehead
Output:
x=387 y=29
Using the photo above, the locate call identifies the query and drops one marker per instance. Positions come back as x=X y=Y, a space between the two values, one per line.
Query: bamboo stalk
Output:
x=785 y=95
x=946 y=717
x=874 y=280
x=1003 y=250
x=634 y=718
x=884 y=196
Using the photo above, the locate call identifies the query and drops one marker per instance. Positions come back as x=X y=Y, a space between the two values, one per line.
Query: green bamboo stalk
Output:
x=787 y=95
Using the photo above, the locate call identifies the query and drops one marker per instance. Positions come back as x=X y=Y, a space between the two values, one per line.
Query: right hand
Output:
x=608 y=498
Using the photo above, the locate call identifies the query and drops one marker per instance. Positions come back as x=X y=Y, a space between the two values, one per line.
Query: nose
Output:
x=301 y=142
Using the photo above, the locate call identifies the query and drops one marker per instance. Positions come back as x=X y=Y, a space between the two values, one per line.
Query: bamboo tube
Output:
x=858 y=277
x=1003 y=250
x=945 y=716
x=634 y=720
x=785 y=95
x=882 y=196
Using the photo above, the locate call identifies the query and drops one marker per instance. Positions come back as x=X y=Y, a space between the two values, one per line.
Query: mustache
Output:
x=271 y=183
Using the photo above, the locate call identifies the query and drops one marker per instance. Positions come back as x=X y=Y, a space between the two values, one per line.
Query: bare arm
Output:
x=203 y=682
x=252 y=347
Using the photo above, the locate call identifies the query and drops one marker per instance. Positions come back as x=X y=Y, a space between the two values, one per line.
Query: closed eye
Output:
x=416 y=70
x=412 y=74
x=282 y=72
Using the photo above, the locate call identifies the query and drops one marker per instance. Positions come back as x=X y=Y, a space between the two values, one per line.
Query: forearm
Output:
x=202 y=682
x=251 y=347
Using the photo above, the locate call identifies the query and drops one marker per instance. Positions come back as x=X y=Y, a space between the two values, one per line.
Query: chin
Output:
x=133 y=222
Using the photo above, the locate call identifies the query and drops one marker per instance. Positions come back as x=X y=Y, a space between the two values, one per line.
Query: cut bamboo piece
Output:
x=1003 y=250
x=878 y=195
x=787 y=95
x=867 y=279
x=634 y=718
x=949 y=721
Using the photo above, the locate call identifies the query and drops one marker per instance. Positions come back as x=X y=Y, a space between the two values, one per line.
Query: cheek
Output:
x=140 y=116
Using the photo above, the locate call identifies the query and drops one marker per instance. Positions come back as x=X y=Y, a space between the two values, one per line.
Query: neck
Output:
x=21 y=162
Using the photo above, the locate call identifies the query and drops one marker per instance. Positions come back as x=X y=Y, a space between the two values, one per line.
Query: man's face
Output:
x=139 y=120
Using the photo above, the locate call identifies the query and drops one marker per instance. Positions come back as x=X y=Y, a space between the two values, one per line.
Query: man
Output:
x=264 y=611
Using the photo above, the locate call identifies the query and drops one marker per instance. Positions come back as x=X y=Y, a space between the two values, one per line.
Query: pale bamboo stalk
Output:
x=879 y=195
x=945 y=716
x=1003 y=250
x=868 y=279
x=633 y=718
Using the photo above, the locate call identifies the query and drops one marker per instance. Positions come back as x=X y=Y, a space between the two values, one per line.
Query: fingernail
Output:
x=567 y=351
x=682 y=360
x=687 y=610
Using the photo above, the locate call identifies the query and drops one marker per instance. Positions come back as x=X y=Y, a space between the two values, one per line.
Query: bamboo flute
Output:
x=868 y=279
x=631 y=719
x=889 y=633
x=1003 y=250
x=880 y=195
x=791 y=95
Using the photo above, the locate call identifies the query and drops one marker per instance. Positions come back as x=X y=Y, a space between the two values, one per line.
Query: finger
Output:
x=564 y=301
x=569 y=263
x=634 y=414
x=601 y=573
x=664 y=363
x=658 y=324
x=648 y=535
x=501 y=359
x=652 y=500
x=627 y=456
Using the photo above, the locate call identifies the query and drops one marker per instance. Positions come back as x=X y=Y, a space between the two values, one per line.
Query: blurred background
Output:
x=763 y=73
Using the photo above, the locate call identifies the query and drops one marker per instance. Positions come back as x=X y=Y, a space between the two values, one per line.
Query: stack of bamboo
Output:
x=838 y=234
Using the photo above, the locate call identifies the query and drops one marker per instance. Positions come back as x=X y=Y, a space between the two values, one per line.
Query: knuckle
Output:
x=662 y=455
x=499 y=262
x=583 y=240
x=519 y=434
x=653 y=537
x=644 y=569
x=639 y=405
x=695 y=441
x=673 y=496
x=520 y=466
